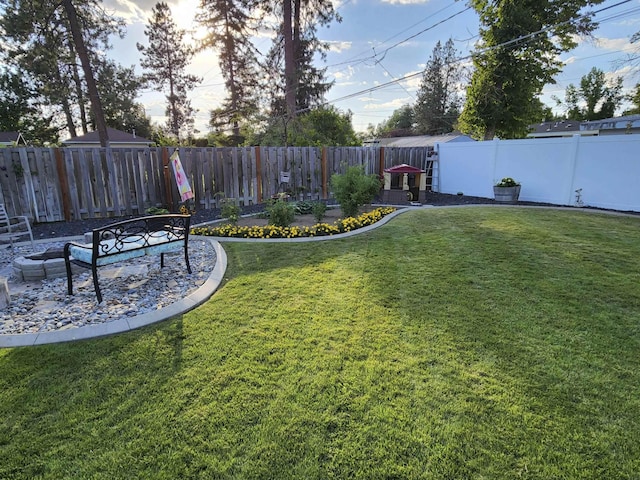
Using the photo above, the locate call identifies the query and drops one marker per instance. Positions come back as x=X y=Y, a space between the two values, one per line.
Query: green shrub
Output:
x=230 y=210
x=354 y=189
x=319 y=209
x=156 y=211
x=304 y=208
x=281 y=213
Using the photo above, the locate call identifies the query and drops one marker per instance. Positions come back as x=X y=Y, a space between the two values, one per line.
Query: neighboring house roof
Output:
x=116 y=138
x=568 y=128
x=625 y=124
x=421 y=140
x=560 y=128
x=11 y=139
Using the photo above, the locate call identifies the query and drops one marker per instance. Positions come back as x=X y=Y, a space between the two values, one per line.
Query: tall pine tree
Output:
x=166 y=60
x=56 y=47
x=438 y=102
x=228 y=27
x=299 y=85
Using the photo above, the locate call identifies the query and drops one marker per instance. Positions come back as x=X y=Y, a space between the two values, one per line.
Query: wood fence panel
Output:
x=205 y=198
x=114 y=205
x=48 y=180
x=235 y=177
x=151 y=178
x=29 y=190
x=315 y=172
x=71 y=182
x=123 y=181
x=98 y=182
x=11 y=197
x=138 y=191
x=218 y=163
x=247 y=178
x=196 y=173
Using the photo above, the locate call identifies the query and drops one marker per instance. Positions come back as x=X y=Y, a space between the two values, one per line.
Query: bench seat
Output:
x=122 y=241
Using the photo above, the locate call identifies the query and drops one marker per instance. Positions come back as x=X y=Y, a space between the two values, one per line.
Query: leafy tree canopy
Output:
x=518 y=54
x=325 y=126
x=595 y=98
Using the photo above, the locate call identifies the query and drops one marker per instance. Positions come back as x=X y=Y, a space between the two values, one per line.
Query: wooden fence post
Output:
x=64 y=184
x=323 y=165
x=258 y=174
x=167 y=178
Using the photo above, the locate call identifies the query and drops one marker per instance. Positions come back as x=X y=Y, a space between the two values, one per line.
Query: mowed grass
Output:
x=484 y=343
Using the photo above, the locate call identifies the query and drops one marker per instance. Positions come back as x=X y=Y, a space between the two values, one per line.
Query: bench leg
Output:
x=186 y=259
x=69 y=279
x=67 y=265
x=96 y=286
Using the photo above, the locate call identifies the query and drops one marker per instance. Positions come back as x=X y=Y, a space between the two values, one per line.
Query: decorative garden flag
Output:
x=181 y=179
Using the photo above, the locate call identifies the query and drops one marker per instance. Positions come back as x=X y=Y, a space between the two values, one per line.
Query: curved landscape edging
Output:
x=210 y=286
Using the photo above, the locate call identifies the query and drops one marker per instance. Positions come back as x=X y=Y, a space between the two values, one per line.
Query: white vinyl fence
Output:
x=606 y=169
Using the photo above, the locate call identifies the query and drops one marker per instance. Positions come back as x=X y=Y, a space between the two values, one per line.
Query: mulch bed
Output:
x=79 y=227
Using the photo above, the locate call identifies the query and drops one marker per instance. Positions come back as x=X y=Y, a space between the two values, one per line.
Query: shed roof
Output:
x=403 y=168
x=422 y=140
x=115 y=136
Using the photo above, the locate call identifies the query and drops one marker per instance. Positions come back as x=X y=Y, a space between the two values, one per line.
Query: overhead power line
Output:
x=493 y=47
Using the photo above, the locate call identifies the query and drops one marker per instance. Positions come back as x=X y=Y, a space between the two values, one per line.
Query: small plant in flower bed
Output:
x=303 y=207
x=319 y=209
x=230 y=210
x=320 y=229
x=281 y=213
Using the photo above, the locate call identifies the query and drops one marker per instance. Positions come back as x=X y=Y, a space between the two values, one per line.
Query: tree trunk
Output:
x=78 y=41
x=79 y=92
x=66 y=108
x=289 y=61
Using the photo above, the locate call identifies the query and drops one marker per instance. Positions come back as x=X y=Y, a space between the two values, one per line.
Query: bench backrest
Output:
x=140 y=232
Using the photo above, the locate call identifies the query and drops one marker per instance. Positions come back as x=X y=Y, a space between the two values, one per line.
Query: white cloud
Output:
x=405 y=2
x=339 y=47
x=413 y=82
x=390 y=105
x=345 y=73
x=613 y=43
x=570 y=60
x=131 y=12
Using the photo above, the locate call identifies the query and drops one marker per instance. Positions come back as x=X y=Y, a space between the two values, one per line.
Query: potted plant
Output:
x=506 y=190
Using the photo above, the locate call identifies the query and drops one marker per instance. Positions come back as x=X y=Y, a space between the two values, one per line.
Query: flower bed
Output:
x=270 y=231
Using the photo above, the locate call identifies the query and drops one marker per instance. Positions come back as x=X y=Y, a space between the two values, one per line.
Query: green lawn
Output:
x=484 y=343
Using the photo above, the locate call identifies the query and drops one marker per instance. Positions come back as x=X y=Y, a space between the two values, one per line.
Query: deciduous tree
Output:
x=518 y=54
x=596 y=98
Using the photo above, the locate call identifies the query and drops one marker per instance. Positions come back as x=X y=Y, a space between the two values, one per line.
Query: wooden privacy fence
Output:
x=53 y=184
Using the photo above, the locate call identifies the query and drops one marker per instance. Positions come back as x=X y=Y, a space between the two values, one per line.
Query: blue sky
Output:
x=378 y=42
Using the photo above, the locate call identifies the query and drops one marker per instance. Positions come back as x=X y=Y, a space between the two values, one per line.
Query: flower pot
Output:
x=506 y=194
